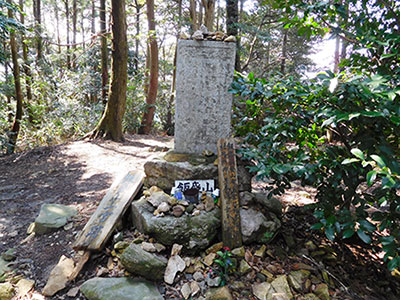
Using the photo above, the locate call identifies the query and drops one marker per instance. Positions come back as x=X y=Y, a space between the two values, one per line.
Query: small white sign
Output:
x=201 y=185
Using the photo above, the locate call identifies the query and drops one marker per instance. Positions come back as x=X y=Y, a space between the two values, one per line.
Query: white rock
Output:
x=163 y=207
x=198 y=276
x=198 y=35
x=149 y=247
x=175 y=264
x=194 y=287
x=203 y=29
x=230 y=38
x=176 y=249
x=186 y=291
x=261 y=290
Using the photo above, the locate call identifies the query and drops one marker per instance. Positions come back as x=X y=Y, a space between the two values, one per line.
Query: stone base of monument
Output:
x=196 y=226
x=173 y=166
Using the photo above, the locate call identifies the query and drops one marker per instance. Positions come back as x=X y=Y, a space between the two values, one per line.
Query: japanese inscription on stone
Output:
x=203 y=104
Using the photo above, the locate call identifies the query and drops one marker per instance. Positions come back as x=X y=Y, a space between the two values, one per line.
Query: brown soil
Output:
x=79 y=174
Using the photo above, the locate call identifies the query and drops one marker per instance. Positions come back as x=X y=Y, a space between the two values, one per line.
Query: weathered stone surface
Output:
x=120 y=288
x=278 y=288
x=157 y=198
x=222 y=293
x=6 y=291
x=143 y=263
x=273 y=205
x=175 y=264
x=193 y=232
x=59 y=276
x=310 y=296
x=322 y=291
x=297 y=279
x=246 y=198
x=186 y=290
x=24 y=286
x=53 y=216
x=203 y=104
x=163 y=173
x=244 y=267
x=9 y=255
x=261 y=290
x=3 y=267
x=255 y=225
x=281 y=285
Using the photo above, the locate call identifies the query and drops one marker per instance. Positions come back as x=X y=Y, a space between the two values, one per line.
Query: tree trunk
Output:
x=27 y=70
x=67 y=29
x=110 y=125
x=209 y=6
x=138 y=8
x=232 y=19
x=193 y=15
x=57 y=26
x=38 y=27
x=148 y=115
x=74 y=20
x=284 y=51
x=13 y=134
x=336 y=55
x=93 y=94
x=104 y=52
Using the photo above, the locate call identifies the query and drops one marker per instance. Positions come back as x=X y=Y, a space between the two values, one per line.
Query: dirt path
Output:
x=77 y=173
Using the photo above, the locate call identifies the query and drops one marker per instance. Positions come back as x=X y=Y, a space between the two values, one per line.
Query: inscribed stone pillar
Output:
x=204 y=74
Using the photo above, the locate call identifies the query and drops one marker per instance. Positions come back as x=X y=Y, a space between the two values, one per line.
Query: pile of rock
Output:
x=204 y=34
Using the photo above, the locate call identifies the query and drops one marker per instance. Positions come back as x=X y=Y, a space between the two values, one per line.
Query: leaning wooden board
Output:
x=102 y=223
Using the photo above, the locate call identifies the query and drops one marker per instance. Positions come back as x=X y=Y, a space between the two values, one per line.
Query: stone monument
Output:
x=204 y=74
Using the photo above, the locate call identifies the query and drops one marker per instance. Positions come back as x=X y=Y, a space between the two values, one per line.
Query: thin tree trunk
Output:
x=27 y=70
x=193 y=15
x=209 y=6
x=67 y=28
x=138 y=7
x=148 y=115
x=38 y=28
x=232 y=19
x=57 y=26
x=110 y=125
x=104 y=52
x=93 y=27
x=284 y=51
x=10 y=116
x=13 y=134
x=74 y=31
x=336 y=55
x=83 y=29
x=218 y=16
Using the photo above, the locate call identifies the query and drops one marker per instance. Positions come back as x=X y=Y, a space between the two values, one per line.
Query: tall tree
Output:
x=110 y=125
x=13 y=134
x=74 y=31
x=27 y=70
x=209 y=15
x=37 y=13
x=104 y=52
x=148 y=115
x=232 y=20
x=66 y=2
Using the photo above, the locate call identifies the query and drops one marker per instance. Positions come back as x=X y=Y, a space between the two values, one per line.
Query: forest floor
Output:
x=79 y=174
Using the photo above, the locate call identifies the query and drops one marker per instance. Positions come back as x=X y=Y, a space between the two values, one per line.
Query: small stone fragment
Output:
x=322 y=291
x=198 y=276
x=213 y=281
x=261 y=252
x=214 y=248
x=279 y=296
x=310 y=296
x=175 y=264
x=69 y=226
x=73 y=292
x=198 y=35
x=59 y=276
x=209 y=203
x=296 y=279
x=9 y=255
x=178 y=210
x=159 y=247
x=194 y=287
x=121 y=245
x=149 y=247
x=310 y=246
x=209 y=259
x=186 y=291
x=222 y=293
x=176 y=249
x=230 y=38
x=183 y=36
x=6 y=291
x=239 y=252
x=24 y=286
x=281 y=285
x=261 y=290
x=244 y=267
x=203 y=28
x=196 y=212
x=267 y=274
x=157 y=197
x=162 y=208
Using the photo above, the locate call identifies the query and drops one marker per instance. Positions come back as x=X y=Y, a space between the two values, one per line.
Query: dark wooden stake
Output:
x=228 y=184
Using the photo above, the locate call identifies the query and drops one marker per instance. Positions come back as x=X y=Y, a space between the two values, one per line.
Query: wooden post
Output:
x=228 y=184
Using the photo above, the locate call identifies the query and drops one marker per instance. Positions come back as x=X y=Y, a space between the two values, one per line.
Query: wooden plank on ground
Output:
x=102 y=223
x=229 y=195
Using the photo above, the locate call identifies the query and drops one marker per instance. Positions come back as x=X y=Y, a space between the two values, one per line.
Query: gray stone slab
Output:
x=203 y=107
